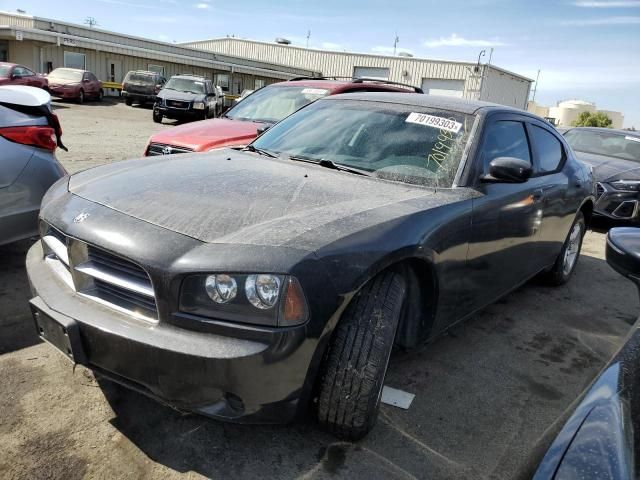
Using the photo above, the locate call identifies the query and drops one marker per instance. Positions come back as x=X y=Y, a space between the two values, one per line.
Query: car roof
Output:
x=455 y=104
x=146 y=72
x=336 y=84
x=608 y=130
x=186 y=75
x=7 y=64
x=71 y=69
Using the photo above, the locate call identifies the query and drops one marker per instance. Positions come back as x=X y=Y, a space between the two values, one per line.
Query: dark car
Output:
x=259 y=110
x=249 y=285
x=13 y=74
x=614 y=156
x=141 y=87
x=74 y=84
x=600 y=438
x=187 y=97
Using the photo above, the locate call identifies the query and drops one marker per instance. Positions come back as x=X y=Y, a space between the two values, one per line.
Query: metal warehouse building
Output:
x=486 y=82
x=235 y=64
x=43 y=44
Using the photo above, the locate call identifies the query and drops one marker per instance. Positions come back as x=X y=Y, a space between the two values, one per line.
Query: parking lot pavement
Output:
x=485 y=393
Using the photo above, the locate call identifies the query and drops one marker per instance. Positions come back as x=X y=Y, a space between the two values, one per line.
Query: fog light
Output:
x=221 y=288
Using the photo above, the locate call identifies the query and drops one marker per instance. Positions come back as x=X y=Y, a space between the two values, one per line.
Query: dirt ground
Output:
x=485 y=393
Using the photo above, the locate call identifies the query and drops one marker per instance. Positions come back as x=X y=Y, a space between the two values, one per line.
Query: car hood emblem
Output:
x=81 y=217
x=166 y=151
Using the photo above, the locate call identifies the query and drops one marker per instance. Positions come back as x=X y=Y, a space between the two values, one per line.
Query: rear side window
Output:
x=548 y=148
x=506 y=139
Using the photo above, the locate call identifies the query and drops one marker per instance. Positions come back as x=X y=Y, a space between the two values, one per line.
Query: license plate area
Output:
x=63 y=333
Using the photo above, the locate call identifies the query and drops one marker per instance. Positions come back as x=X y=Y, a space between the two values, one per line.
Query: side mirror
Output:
x=86 y=80
x=508 y=170
x=623 y=252
x=263 y=128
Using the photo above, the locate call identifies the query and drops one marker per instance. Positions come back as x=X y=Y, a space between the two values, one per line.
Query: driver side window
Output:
x=506 y=138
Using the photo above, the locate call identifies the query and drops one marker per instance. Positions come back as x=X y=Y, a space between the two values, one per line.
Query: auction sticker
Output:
x=315 y=91
x=633 y=139
x=435 y=122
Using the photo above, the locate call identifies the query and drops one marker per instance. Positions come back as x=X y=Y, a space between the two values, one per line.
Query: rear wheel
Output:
x=353 y=373
x=157 y=117
x=569 y=255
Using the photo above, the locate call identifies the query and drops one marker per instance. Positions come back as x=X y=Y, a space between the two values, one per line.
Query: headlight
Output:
x=260 y=298
x=198 y=105
x=626 y=185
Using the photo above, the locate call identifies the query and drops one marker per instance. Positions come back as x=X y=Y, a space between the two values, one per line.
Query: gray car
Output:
x=29 y=135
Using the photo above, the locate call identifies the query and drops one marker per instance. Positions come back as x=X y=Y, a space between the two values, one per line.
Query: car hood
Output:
x=207 y=134
x=610 y=169
x=238 y=197
x=180 y=96
x=61 y=81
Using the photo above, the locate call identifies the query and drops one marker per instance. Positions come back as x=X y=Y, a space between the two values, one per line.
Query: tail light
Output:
x=35 y=136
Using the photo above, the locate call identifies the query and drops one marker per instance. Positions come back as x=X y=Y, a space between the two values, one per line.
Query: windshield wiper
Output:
x=266 y=153
x=330 y=164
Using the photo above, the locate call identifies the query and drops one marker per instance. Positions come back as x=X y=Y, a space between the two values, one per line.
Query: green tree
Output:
x=588 y=119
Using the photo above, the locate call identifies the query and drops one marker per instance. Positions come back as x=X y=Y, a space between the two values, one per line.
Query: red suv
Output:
x=74 y=84
x=12 y=74
x=264 y=107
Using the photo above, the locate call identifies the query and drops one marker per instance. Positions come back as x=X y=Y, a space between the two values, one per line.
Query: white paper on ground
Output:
x=396 y=398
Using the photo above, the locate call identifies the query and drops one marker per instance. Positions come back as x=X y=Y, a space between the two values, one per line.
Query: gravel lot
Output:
x=485 y=393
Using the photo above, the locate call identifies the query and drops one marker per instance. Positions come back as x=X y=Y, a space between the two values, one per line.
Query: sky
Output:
x=586 y=49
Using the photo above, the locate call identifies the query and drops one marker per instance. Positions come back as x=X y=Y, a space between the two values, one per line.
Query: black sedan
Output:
x=250 y=285
x=614 y=156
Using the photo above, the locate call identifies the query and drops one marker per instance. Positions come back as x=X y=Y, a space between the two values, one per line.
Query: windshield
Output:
x=185 y=85
x=611 y=144
x=140 y=78
x=397 y=142
x=272 y=104
x=64 y=74
x=4 y=71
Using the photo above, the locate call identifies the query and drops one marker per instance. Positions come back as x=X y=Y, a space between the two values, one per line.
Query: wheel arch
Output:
x=586 y=208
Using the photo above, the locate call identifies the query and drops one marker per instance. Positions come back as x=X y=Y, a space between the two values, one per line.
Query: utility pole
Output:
x=92 y=22
x=308 y=36
x=395 y=44
x=490 y=55
x=535 y=87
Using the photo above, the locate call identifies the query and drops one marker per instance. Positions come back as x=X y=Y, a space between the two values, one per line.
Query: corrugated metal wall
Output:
x=499 y=86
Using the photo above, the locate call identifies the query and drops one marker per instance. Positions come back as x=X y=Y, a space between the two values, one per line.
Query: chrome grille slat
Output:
x=101 y=276
x=158 y=149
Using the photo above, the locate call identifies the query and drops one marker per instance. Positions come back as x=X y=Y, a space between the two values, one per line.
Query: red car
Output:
x=74 y=84
x=12 y=74
x=264 y=107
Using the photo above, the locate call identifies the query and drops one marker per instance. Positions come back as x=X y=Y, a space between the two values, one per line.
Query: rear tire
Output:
x=353 y=372
x=128 y=101
x=157 y=117
x=566 y=262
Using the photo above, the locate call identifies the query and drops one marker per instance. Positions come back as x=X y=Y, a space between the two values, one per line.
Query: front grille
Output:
x=99 y=275
x=177 y=104
x=163 y=149
x=599 y=190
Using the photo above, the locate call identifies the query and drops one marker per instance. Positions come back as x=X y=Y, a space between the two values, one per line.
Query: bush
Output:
x=588 y=119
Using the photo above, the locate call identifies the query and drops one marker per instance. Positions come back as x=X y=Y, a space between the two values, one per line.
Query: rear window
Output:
x=139 y=78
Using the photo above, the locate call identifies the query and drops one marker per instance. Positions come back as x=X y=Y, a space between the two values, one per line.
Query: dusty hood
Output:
x=237 y=197
x=207 y=134
x=56 y=82
x=608 y=169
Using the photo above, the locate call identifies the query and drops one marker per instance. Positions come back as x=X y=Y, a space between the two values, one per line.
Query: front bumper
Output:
x=254 y=380
x=616 y=204
x=60 y=92
x=178 y=113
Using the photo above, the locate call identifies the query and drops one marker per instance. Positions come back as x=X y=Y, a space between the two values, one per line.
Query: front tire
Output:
x=568 y=259
x=81 y=97
x=100 y=95
x=353 y=372
x=157 y=117
x=128 y=101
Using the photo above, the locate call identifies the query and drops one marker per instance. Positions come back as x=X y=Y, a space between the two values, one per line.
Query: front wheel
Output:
x=128 y=101
x=353 y=372
x=157 y=117
x=100 y=95
x=81 y=97
x=568 y=259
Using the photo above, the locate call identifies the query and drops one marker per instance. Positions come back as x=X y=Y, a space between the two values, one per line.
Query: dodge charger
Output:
x=260 y=284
